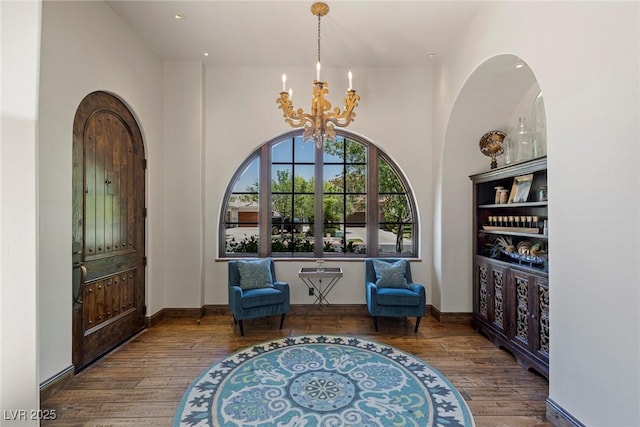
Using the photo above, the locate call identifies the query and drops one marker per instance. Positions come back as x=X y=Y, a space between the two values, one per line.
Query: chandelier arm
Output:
x=293 y=118
x=298 y=120
x=344 y=118
x=347 y=121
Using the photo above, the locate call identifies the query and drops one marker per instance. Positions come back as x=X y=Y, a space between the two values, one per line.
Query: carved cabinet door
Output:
x=530 y=313
x=540 y=328
x=491 y=298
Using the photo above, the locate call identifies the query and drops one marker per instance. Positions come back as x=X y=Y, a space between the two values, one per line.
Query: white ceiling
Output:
x=276 y=33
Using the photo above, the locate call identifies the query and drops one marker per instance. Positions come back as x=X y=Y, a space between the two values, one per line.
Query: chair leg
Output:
x=241 y=327
x=375 y=322
x=235 y=322
x=415 y=331
x=282 y=319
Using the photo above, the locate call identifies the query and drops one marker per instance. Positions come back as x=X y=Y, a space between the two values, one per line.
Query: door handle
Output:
x=77 y=294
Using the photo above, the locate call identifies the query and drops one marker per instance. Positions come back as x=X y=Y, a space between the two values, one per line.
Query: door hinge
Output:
x=144 y=261
x=144 y=212
x=144 y=163
x=144 y=310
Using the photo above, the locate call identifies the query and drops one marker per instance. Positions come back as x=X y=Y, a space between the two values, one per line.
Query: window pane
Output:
x=356 y=179
x=333 y=151
x=356 y=152
x=391 y=244
x=304 y=151
x=241 y=216
x=333 y=209
x=241 y=224
x=333 y=240
x=241 y=240
x=304 y=209
x=282 y=151
x=281 y=207
x=333 y=228
x=291 y=237
x=394 y=208
x=356 y=209
x=304 y=244
x=396 y=225
x=249 y=179
x=389 y=182
x=281 y=179
x=356 y=236
x=304 y=181
x=282 y=242
x=333 y=179
x=242 y=208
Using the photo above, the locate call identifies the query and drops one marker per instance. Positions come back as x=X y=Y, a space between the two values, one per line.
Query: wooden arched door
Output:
x=108 y=227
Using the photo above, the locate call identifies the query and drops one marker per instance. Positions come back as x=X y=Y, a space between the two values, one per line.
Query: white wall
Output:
x=394 y=112
x=87 y=47
x=19 y=58
x=590 y=81
x=183 y=221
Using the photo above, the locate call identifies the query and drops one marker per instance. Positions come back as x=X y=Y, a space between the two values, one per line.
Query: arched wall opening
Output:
x=492 y=98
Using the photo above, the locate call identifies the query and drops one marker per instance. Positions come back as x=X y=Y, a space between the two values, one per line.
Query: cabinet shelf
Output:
x=526 y=267
x=516 y=233
x=513 y=205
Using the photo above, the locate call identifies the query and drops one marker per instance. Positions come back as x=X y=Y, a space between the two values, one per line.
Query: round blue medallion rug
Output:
x=322 y=380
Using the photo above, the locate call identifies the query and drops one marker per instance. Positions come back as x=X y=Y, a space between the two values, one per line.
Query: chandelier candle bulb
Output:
x=290 y=94
x=318 y=71
x=284 y=82
x=350 y=80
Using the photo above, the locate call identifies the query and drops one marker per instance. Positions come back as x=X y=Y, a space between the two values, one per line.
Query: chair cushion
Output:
x=390 y=275
x=397 y=296
x=255 y=274
x=262 y=297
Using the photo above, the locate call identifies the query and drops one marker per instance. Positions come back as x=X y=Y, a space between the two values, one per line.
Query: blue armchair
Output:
x=391 y=292
x=254 y=291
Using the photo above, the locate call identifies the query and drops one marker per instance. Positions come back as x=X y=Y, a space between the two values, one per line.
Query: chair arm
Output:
x=372 y=285
x=284 y=288
x=372 y=291
x=235 y=298
x=281 y=285
x=419 y=289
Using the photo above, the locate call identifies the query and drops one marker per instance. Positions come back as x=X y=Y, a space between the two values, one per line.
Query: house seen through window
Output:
x=345 y=199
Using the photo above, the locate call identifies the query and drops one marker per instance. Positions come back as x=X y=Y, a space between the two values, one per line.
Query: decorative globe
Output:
x=491 y=145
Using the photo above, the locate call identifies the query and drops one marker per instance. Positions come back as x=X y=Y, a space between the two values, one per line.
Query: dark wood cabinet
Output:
x=511 y=289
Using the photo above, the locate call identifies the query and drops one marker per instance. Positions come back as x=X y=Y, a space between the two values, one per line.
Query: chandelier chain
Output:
x=319 y=17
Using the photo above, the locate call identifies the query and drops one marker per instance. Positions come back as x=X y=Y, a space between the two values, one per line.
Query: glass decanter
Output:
x=522 y=142
x=539 y=127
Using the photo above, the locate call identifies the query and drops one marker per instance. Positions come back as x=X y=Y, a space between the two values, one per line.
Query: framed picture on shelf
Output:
x=520 y=189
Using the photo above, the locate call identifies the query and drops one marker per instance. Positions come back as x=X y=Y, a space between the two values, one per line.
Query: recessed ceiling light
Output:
x=433 y=55
x=178 y=16
x=206 y=54
x=518 y=65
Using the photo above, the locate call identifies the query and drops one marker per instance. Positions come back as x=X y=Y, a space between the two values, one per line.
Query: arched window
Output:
x=345 y=199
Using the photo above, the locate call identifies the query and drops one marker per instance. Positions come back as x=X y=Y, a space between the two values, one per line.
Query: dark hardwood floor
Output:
x=141 y=382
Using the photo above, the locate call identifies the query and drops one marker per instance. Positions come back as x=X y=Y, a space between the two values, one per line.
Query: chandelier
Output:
x=320 y=123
